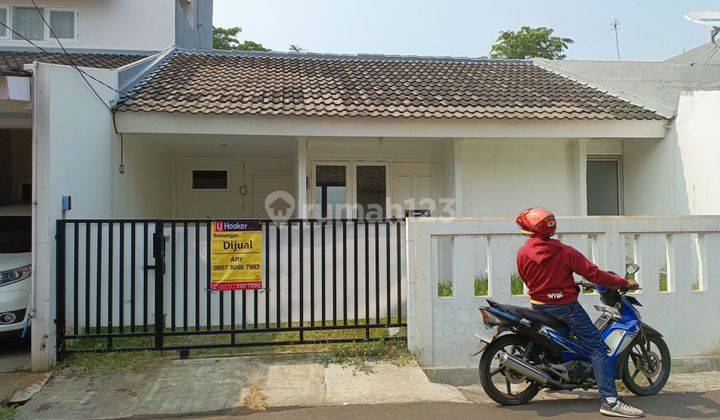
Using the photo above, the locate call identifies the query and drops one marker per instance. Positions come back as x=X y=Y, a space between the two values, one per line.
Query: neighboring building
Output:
x=110 y=25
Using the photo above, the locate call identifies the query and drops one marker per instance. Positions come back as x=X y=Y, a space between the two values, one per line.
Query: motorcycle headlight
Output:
x=15 y=275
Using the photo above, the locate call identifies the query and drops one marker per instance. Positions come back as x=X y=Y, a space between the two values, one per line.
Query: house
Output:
x=95 y=36
x=195 y=134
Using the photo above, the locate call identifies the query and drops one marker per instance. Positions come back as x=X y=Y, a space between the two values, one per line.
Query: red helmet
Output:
x=537 y=221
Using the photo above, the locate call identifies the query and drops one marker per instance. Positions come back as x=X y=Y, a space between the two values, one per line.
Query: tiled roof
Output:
x=12 y=62
x=369 y=86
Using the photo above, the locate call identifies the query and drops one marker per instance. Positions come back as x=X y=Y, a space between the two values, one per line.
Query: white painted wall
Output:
x=134 y=25
x=229 y=204
x=145 y=189
x=503 y=177
x=441 y=328
x=677 y=174
x=72 y=149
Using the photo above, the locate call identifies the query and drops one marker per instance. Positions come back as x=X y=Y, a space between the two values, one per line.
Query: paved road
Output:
x=667 y=406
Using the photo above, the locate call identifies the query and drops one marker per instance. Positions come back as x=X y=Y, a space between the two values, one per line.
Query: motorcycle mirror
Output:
x=632 y=269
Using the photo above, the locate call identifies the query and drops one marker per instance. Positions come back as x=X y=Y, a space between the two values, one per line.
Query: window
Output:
x=63 y=23
x=604 y=186
x=331 y=193
x=4 y=21
x=350 y=189
x=371 y=185
x=27 y=22
x=210 y=179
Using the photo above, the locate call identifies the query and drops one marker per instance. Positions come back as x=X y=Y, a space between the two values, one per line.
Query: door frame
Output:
x=621 y=182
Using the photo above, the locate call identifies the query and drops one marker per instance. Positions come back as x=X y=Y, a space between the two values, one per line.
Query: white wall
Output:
x=135 y=25
x=72 y=146
x=698 y=133
x=503 y=177
x=677 y=175
x=442 y=328
x=145 y=189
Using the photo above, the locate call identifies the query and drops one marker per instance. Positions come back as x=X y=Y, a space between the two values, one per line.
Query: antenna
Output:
x=615 y=26
x=296 y=48
x=711 y=19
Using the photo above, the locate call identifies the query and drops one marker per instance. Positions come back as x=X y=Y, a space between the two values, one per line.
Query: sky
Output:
x=650 y=30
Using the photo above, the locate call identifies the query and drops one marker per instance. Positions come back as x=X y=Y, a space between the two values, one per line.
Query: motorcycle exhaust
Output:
x=519 y=366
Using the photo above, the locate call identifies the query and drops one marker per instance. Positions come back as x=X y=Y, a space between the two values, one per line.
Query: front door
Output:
x=415 y=187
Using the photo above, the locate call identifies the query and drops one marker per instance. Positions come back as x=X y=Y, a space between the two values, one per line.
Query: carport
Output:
x=15 y=213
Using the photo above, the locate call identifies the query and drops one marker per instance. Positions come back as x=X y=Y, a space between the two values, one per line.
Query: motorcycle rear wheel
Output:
x=654 y=371
x=514 y=345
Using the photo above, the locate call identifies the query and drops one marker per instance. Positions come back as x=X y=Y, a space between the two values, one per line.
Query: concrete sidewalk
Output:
x=206 y=385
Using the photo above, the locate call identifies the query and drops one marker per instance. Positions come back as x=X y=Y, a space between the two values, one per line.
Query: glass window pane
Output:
x=209 y=180
x=331 y=191
x=27 y=22
x=63 y=23
x=371 y=191
x=602 y=188
x=3 y=19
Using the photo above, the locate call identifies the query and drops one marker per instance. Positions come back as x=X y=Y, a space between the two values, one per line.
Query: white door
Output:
x=415 y=186
x=265 y=184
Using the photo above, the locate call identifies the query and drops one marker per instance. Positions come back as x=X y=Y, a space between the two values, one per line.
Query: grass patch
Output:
x=445 y=288
x=481 y=285
x=359 y=356
x=127 y=361
x=516 y=284
x=7 y=413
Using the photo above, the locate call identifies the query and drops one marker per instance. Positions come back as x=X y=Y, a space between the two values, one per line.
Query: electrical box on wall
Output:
x=66 y=203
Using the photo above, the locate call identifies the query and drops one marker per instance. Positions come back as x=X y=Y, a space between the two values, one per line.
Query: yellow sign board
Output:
x=236 y=261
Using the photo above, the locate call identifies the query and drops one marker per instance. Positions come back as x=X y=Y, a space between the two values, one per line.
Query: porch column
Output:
x=301 y=177
x=458 y=178
x=581 y=175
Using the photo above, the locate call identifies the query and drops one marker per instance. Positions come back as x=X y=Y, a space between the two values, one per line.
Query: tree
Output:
x=530 y=43
x=226 y=39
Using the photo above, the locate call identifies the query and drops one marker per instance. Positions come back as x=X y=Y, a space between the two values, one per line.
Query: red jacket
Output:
x=546 y=266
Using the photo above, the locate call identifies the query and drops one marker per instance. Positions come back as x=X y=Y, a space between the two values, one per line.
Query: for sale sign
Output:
x=236 y=261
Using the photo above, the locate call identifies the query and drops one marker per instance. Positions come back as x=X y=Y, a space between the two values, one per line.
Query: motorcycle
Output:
x=525 y=350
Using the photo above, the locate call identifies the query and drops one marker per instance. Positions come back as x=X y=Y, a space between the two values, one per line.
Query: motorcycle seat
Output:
x=534 y=316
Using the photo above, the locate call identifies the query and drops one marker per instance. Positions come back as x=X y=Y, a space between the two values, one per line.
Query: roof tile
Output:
x=356 y=86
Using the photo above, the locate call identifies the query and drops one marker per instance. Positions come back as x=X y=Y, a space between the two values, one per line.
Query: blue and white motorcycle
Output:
x=526 y=350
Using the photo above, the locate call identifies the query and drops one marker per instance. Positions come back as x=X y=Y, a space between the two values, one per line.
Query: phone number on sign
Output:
x=225 y=267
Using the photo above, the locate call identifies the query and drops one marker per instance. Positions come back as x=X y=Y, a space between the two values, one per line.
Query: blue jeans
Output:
x=589 y=338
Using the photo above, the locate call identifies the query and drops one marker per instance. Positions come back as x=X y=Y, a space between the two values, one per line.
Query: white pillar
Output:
x=458 y=178
x=301 y=177
x=581 y=176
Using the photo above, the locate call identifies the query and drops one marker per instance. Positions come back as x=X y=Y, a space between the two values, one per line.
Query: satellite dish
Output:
x=711 y=19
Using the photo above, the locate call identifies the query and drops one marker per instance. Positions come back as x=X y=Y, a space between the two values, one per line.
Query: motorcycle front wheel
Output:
x=499 y=383
x=647 y=366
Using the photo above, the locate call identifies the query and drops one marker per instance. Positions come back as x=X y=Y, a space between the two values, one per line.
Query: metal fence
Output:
x=145 y=284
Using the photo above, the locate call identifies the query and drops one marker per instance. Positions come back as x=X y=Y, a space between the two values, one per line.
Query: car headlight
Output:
x=15 y=275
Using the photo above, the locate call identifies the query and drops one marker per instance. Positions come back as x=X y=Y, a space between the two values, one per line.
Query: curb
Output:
x=465 y=376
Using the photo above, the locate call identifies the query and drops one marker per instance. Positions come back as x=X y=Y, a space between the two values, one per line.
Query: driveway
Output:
x=14 y=364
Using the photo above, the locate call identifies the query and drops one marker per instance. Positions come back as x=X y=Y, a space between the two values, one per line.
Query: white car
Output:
x=15 y=267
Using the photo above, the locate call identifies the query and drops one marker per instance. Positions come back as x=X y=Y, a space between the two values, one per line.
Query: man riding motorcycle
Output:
x=546 y=266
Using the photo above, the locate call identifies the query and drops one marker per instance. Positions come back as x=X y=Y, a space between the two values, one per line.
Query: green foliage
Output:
x=663 y=279
x=7 y=413
x=516 y=284
x=530 y=42
x=128 y=361
x=358 y=356
x=226 y=39
x=481 y=285
x=445 y=288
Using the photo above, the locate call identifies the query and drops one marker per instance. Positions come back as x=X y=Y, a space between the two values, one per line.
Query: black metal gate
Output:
x=145 y=284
